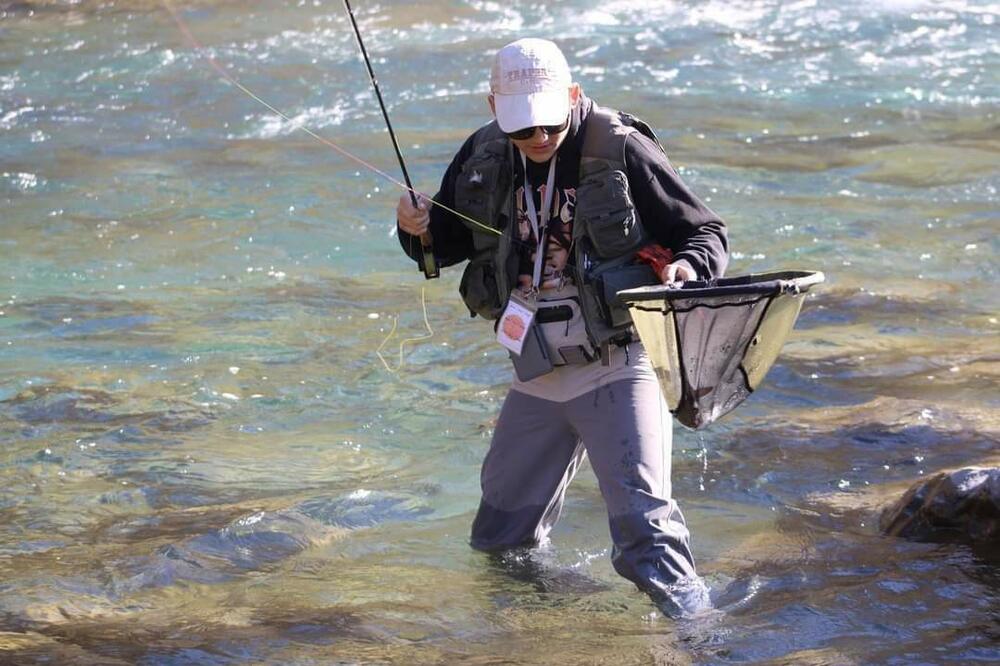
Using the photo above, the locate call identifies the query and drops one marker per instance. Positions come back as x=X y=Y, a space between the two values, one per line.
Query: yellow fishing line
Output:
x=182 y=26
x=395 y=322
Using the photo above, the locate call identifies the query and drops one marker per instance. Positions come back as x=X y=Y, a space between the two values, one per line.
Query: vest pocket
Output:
x=610 y=282
x=607 y=216
x=565 y=331
x=479 y=288
x=479 y=189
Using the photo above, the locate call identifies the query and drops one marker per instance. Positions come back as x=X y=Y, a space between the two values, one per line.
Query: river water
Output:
x=222 y=442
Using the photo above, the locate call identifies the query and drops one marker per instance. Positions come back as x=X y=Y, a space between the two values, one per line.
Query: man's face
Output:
x=542 y=146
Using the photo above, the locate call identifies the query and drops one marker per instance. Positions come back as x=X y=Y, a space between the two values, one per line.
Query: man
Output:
x=557 y=204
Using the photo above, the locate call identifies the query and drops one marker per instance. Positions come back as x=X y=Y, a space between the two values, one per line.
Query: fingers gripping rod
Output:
x=430 y=265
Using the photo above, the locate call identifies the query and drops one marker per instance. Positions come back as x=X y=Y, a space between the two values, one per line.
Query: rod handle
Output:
x=431 y=269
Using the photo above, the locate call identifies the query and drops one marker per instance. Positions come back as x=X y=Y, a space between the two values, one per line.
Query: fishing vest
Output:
x=607 y=231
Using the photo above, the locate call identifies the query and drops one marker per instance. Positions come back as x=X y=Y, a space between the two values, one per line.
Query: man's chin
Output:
x=541 y=156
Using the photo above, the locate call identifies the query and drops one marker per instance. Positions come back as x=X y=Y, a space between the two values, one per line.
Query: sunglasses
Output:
x=529 y=132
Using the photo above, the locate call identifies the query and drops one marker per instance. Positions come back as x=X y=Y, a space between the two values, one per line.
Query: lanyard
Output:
x=540 y=223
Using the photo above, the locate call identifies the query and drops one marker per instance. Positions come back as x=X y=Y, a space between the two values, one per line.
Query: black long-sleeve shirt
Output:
x=669 y=211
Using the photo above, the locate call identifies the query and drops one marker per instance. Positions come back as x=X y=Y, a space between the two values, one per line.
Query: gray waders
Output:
x=625 y=429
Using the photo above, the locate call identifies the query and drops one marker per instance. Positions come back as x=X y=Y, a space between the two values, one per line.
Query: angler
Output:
x=581 y=202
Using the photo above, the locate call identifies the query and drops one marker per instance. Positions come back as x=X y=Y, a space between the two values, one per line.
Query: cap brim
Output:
x=547 y=107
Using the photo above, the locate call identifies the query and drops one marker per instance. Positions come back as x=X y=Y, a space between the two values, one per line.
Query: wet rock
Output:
x=252 y=542
x=249 y=541
x=61 y=404
x=58 y=404
x=962 y=505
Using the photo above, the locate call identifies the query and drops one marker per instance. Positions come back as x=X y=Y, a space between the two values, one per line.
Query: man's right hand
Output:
x=413 y=221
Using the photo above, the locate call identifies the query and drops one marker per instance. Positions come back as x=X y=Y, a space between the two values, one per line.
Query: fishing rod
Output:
x=221 y=71
x=430 y=266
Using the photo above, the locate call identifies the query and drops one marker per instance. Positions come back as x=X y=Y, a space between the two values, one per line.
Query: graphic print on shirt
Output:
x=560 y=236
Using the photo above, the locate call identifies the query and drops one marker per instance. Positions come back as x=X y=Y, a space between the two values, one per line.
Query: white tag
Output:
x=514 y=323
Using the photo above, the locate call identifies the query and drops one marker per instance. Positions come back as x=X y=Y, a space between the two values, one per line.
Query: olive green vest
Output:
x=607 y=231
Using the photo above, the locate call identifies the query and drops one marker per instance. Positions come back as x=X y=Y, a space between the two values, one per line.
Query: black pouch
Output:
x=617 y=279
x=605 y=211
x=534 y=360
x=549 y=315
x=577 y=355
x=479 y=288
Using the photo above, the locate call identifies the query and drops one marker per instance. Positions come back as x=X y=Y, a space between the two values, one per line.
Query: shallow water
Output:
x=205 y=460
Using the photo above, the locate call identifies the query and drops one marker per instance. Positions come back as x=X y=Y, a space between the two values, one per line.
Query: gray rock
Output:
x=958 y=506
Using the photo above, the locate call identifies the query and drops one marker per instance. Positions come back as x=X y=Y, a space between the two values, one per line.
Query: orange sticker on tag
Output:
x=514 y=327
x=514 y=324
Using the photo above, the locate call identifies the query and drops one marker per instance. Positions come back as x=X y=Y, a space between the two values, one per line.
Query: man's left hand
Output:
x=679 y=272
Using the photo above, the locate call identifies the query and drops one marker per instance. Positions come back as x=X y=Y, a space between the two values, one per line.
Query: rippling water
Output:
x=205 y=460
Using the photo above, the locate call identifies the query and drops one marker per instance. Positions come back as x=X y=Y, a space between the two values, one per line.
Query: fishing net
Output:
x=711 y=343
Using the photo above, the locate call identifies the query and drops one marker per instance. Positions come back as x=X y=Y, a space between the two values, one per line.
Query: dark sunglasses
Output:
x=529 y=132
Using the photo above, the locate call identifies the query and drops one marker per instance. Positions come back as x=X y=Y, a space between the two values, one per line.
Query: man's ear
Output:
x=493 y=105
x=574 y=94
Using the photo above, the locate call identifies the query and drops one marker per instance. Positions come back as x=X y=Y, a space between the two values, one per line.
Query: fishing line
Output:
x=395 y=322
x=185 y=30
x=182 y=26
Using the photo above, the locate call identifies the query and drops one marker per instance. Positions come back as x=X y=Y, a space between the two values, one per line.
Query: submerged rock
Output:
x=961 y=505
x=255 y=541
x=364 y=508
x=252 y=542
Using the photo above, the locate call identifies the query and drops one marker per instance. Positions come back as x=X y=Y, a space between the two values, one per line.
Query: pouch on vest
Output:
x=606 y=214
x=564 y=331
x=616 y=311
x=534 y=360
x=479 y=288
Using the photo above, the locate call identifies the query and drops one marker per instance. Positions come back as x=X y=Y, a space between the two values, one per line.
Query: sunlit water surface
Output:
x=205 y=459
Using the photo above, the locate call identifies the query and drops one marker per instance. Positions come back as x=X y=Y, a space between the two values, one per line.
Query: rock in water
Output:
x=958 y=506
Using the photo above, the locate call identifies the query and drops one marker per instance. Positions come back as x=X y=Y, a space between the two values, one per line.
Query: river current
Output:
x=237 y=426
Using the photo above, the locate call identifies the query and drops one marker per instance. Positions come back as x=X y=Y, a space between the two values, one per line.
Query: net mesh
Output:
x=712 y=343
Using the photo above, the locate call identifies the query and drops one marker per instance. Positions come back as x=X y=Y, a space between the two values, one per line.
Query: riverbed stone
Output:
x=961 y=505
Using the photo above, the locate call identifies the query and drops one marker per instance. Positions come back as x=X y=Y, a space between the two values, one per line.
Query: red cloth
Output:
x=657 y=256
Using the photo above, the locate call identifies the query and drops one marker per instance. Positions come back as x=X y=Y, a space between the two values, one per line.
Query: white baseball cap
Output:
x=530 y=83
